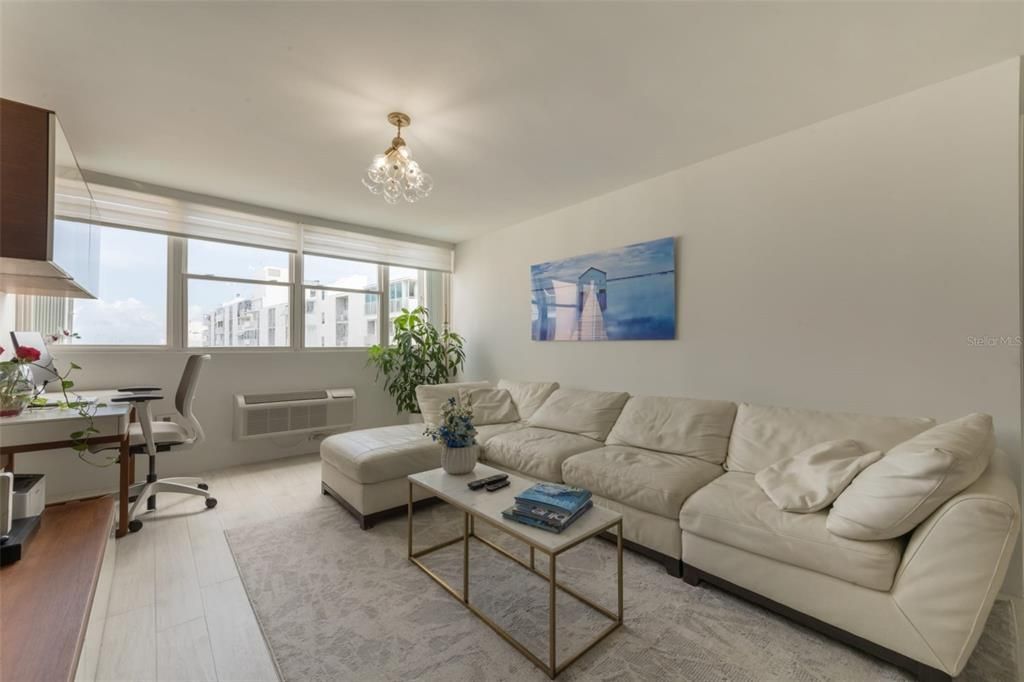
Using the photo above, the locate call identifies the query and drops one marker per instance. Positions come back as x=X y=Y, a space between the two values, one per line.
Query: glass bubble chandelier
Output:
x=393 y=174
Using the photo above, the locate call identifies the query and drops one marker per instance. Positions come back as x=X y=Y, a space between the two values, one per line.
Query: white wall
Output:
x=228 y=373
x=841 y=266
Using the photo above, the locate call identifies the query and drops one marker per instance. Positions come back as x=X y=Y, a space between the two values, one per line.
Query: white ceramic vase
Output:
x=457 y=461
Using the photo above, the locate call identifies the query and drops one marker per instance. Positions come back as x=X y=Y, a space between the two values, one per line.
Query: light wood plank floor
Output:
x=179 y=611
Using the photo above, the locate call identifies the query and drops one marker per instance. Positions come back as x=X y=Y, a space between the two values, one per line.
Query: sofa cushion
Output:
x=381 y=454
x=763 y=435
x=486 y=432
x=431 y=398
x=536 y=452
x=489 y=405
x=894 y=495
x=813 y=479
x=656 y=482
x=684 y=426
x=734 y=510
x=528 y=395
x=586 y=413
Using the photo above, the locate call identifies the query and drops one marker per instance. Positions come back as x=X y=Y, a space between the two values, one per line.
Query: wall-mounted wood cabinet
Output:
x=39 y=252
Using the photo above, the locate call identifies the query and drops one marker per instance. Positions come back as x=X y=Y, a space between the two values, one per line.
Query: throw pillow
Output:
x=489 y=405
x=891 y=497
x=813 y=479
x=432 y=398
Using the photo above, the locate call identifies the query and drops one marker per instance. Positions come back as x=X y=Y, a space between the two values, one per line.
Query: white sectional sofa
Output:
x=682 y=473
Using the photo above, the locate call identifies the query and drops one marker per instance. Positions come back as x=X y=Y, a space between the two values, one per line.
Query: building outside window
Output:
x=344 y=296
x=233 y=291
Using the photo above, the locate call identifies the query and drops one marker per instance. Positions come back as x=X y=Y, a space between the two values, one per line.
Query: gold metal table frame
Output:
x=552 y=668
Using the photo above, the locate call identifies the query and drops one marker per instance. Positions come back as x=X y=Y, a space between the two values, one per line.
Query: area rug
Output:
x=338 y=603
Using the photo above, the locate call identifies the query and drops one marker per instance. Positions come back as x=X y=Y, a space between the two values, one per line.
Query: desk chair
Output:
x=152 y=437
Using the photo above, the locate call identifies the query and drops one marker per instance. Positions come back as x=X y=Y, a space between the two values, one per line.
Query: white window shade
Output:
x=119 y=206
x=126 y=208
x=329 y=241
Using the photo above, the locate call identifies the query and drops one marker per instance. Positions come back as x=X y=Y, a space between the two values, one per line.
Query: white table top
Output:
x=37 y=415
x=52 y=424
x=489 y=505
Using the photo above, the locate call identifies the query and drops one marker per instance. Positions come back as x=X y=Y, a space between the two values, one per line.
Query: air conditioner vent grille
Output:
x=269 y=415
x=264 y=398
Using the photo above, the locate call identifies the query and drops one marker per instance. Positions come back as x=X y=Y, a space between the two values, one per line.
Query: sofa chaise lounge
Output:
x=682 y=473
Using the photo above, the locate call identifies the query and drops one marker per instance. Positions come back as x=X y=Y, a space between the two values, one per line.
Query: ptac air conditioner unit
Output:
x=264 y=415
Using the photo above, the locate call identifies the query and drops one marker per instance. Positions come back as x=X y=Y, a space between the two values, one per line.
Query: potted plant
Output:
x=419 y=354
x=456 y=433
x=16 y=387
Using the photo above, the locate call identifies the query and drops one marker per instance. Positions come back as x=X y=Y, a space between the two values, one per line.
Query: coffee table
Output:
x=487 y=507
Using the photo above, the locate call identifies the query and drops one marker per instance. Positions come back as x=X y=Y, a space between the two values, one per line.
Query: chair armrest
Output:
x=137 y=398
x=954 y=565
x=138 y=389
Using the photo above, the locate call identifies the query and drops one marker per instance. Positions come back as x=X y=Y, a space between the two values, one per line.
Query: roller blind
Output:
x=121 y=207
x=329 y=241
x=127 y=208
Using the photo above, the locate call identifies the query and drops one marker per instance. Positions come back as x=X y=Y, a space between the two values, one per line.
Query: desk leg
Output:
x=122 y=492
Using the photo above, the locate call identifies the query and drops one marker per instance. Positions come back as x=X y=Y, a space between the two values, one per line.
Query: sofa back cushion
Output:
x=762 y=435
x=680 y=426
x=891 y=497
x=528 y=395
x=489 y=405
x=432 y=398
x=587 y=413
x=812 y=480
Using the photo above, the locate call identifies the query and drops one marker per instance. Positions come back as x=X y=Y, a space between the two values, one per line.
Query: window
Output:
x=131 y=304
x=237 y=295
x=187 y=275
x=406 y=289
x=344 y=296
x=371 y=304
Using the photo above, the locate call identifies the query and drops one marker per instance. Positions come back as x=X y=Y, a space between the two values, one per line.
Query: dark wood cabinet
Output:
x=41 y=253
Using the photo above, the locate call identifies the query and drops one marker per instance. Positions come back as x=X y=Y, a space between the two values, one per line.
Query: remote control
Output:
x=481 y=482
x=497 y=485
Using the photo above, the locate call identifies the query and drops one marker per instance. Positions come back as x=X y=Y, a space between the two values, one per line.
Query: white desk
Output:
x=50 y=428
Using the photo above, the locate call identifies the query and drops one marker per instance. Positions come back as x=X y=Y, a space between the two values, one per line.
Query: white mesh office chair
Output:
x=151 y=437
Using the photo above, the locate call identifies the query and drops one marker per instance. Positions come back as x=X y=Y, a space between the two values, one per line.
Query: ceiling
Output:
x=518 y=108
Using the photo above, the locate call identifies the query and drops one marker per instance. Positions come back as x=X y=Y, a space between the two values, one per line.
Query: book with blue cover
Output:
x=549 y=524
x=555 y=497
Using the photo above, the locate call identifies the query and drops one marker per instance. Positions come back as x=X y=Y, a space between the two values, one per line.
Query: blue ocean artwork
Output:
x=628 y=293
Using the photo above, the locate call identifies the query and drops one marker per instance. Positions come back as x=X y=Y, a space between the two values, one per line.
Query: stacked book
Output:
x=550 y=506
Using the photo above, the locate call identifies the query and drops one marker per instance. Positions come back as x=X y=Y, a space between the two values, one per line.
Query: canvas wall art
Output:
x=620 y=294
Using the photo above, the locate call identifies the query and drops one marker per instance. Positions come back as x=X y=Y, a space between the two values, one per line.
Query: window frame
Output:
x=177 y=322
x=184 y=277
x=170 y=323
x=303 y=288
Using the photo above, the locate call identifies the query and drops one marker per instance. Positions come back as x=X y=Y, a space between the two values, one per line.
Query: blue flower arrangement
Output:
x=456 y=429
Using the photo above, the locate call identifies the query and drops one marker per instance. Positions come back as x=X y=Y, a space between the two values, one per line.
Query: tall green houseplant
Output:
x=419 y=354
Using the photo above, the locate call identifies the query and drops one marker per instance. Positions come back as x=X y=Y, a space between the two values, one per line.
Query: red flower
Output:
x=27 y=353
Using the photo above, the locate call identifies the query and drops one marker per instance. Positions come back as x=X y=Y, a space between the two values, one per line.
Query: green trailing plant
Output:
x=419 y=354
x=17 y=392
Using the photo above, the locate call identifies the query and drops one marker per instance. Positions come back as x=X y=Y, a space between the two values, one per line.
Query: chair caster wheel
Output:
x=134 y=526
x=211 y=502
x=202 y=486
